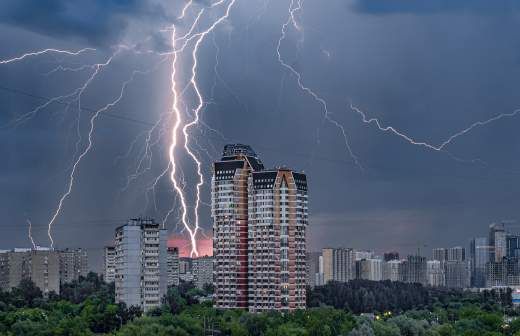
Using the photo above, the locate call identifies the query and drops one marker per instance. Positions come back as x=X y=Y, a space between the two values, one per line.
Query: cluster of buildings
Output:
x=259 y=261
x=45 y=267
x=492 y=261
x=142 y=266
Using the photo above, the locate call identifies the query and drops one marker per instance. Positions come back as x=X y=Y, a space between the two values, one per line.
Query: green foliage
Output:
x=86 y=307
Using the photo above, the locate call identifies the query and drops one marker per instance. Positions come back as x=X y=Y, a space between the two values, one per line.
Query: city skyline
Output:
x=390 y=184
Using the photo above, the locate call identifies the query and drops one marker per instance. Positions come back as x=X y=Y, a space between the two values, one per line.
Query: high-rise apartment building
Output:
x=393 y=270
x=109 y=264
x=479 y=256
x=141 y=261
x=456 y=254
x=259 y=230
x=457 y=274
x=202 y=268
x=415 y=269
x=229 y=200
x=393 y=255
x=185 y=269
x=40 y=265
x=369 y=269
x=435 y=273
x=313 y=268
x=359 y=255
x=338 y=264
x=73 y=264
x=440 y=254
x=173 y=266
x=497 y=242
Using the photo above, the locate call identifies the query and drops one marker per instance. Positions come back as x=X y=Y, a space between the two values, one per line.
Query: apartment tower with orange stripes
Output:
x=260 y=218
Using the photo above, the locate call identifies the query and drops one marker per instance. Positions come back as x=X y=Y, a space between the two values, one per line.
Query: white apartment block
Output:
x=109 y=264
x=141 y=261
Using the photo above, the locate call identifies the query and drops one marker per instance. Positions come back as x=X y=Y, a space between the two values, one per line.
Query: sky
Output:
x=429 y=69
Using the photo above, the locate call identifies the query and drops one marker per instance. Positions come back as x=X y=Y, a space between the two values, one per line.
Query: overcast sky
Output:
x=428 y=69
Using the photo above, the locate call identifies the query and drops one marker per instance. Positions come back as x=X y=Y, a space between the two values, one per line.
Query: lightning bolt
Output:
x=439 y=148
x=291 y=20
x=30 y=234
x=87 y=149
x=199 y=38
x=46 y=51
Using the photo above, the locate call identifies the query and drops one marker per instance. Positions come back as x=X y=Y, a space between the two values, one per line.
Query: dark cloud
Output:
x=96 y=21
x=487 y=7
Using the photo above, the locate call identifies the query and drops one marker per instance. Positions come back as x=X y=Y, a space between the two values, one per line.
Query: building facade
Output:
x=393 y=270
x=313 y=268
x=173 y=266
x=479 y=257
x=109 y=263
x=141 y=261
x=41 y=266
x=339 y=264
x=202 y=268
x=73 y=264
x=369 y=269
x=259 y=230
x=435 y=273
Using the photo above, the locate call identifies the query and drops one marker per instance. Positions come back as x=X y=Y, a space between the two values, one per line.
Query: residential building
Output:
x=393 y=270
x=40 y=265
x=479 y=256
x=435 y=273
x=358 y=255
x=229 y=210
x=277 y=225
x=393 y=255
x=73 y=264
x=313 y=268
x=414 y=268
x=185 y=269
x=497 y=242
x=457 y=274
x=173 y=266
x=456 y=254
x=259 y=230
x=338 y=264
x=202 y=268
x=109 y=263
x=370 y=269
x=141 y=261
x=440 y=254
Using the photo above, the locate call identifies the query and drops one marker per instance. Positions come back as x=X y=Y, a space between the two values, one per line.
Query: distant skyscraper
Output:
x=391 y=256
x=370 y=269
x=259 y=230
x=173 y=266
x=456 y=254
x=440 y=254
x=338 y=264
x=497 y=240
x=415 y=269
x=73 y=264
x=435 y=273
x=109 y=264
x=513 y=245
x=479 y=255
x=141 y=261
x=313 y=268
x=393 y=270
x=202 y=269
x=457 y=274
x=358 y=255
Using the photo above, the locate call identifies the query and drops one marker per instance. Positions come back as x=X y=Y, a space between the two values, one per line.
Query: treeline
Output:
x=84 y=307
x=363 y=296
x=87 y=307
